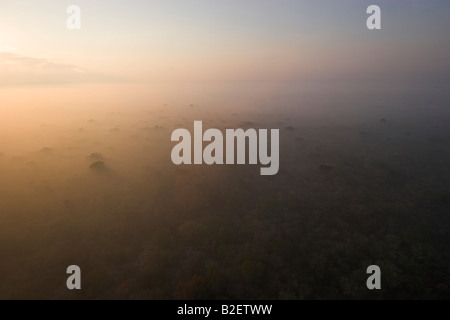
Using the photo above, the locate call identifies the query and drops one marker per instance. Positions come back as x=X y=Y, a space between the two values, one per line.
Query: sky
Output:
x=233 y=40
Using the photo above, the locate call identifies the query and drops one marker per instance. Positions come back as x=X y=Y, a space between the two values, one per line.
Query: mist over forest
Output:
x=86 y=179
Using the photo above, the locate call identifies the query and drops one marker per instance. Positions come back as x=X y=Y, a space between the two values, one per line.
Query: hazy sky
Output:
x=218 y=40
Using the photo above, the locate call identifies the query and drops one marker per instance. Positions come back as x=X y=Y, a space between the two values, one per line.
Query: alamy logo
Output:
x=374 y=21
x=374 y=281
x=74 y=20
x=74 y=280
x=214 y=151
